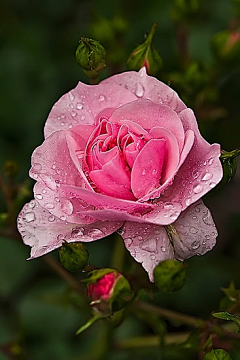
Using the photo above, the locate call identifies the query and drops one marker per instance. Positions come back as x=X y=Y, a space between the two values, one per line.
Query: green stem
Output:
x=118 y=254
x=88 y=324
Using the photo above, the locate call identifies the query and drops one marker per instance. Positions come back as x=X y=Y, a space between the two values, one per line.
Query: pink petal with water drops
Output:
x=147 y=168
x=199 y=173
x=83 y=103
x=148 y=115
x=148 y=244
x=194 y=232
x=148 y=87
x=44 y=232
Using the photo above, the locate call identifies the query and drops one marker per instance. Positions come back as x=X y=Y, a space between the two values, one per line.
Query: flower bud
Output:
x=146 y=55
x=73 y=256
x=109 y=291
x=226 y=46
x=169 y=275
x=229 y=165
x=217 y=354
x=91 y=56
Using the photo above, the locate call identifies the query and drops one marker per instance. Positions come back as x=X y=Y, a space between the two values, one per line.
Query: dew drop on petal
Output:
x=195 y=245
x=76 y=233
x=37 y=167
x=49 y=206
x=67 y=207
x=193 y=230
x=139 y=90
x=95 y=232
x=149 y=245
x=163 y=249
x=60 y=237
x=32 y=204
x=207 y=176
x=79 y=106
x=152 y=257
x=51 y=218
x=128 y=242
x=197 y=189
x=39 y=196
x=29 y=217
x=210 y=161
x=101 y=97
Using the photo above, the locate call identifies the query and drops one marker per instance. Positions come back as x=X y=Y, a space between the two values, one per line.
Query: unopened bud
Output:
x=169 y=275
x=229 y=164
x=108 y=290
x=146 y=55
x=73 y=256
x=91 y=56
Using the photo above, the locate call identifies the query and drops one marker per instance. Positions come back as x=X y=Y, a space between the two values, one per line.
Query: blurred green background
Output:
x=38 y=314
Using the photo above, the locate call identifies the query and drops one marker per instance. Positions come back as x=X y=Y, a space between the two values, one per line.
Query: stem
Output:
x=170 y=314
x=118 y=254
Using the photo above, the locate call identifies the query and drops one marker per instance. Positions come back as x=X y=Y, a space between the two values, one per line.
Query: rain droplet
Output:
x=128 y=242
x=73 y=114
x=144 y=172
x=154 y=171
x=67 y=207
x=95 y=232
x=49 y=206
x=60 y=237
x=152 y=257
x=44 y=191
x=71 y=96
x=195 y=245
x=39 y=196
x=51 y=218
x=76 y=233
x=197 y=189
x=29 y=217
x=37 y=167
x=149 y=245
x=210 y=161
x=195 y=174
x=212 y=184
x=32 y=204
x=193 y=230
x=163 y=249
x=207 y=176
x=101 y=97
x=63 y=218
x=79 y=106
x=139 y=90
x=188 y=202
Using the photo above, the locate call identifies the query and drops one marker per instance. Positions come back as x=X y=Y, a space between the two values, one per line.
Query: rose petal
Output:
x=148 y=87
x=194 y=232
x=147 y=168
x=45 y=232
x=148 y=115
x=148 y=244
x=83 y=103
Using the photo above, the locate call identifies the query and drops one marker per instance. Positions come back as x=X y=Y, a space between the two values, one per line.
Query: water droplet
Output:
x=32 y=204
x=210 y=161
x=207 y=176
x=29 y=217
x=51 y=218
x=128 y=242
x=207 y=219
x=197 y=189
x=207 y=237
x=95 y=233
x=188 y=202
x=149 y=245
x=63 y=218
x=44 y=191
x=139 y=90
x=212 y=184
x=195 y=174
x=152 y=257
x=156 y=232
x=168 y=206
x=39 y=196
x=154 y=171
x=71 y=96
x=73 y=114
x=195 y=245
x=49 y=206
x=193 y=230
x=60 y=237
x=37 y=167
x=79 y=106
x=76 y=233
x=101 y=97
x=67 y=207
x=163 y=249
x=141 y=72
x=144 y=172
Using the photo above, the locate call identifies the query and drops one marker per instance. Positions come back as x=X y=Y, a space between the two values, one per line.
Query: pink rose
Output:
x=123 y=155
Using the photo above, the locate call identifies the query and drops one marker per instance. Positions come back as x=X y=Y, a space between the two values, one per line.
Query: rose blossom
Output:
x=123 y=155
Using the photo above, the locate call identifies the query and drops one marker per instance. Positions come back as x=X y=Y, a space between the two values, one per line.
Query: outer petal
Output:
x=148 y=115
x=45 y=232
x=200 y=172
x=148 y=87
x=83 y=103
x=148 y=244
x=194 y=232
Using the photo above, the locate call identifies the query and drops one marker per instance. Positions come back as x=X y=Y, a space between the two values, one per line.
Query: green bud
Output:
x=169 y=275
x=146 y=55
x=109 y=291
x=226 y=46
x=73 y=256
x=229 y=165
x=217 y=354
x=91 y=56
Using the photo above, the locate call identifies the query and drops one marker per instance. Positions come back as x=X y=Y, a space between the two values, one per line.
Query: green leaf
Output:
x=217 y=354
x=229 y=165
x=226 y=316
x=170 y=275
